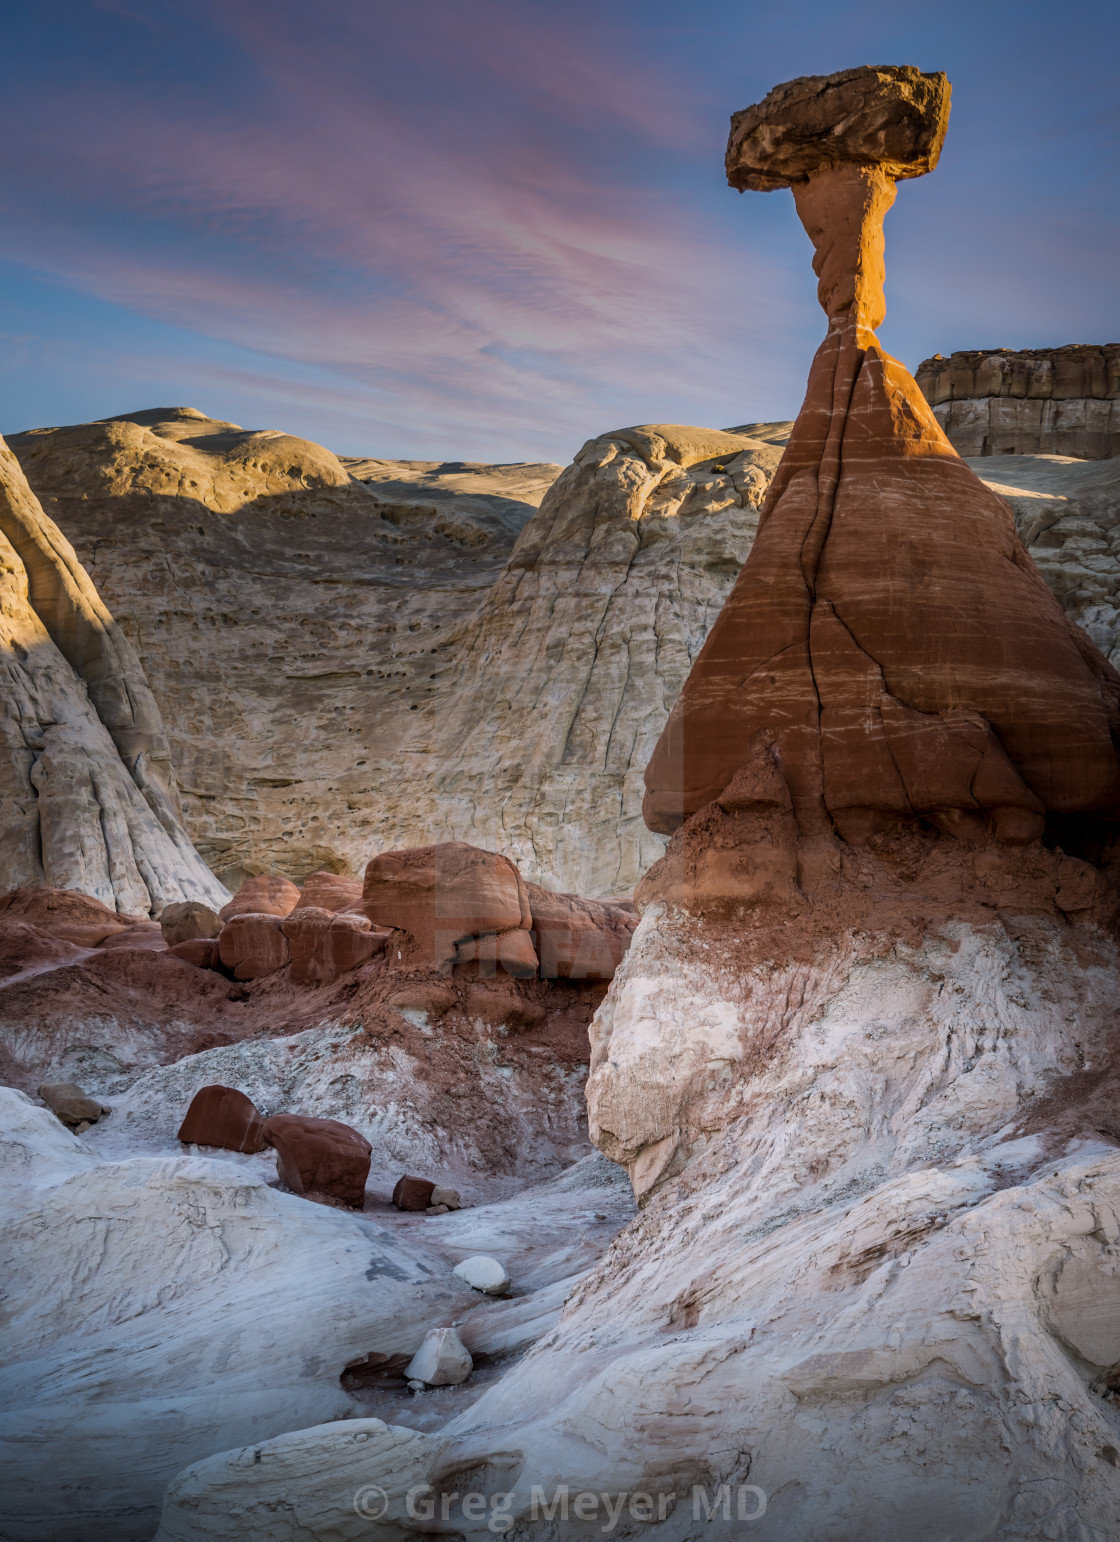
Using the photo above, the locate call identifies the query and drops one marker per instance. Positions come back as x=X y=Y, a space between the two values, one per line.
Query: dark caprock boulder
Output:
x=413 y=1193
x=320 y=1158
x=222 y=1116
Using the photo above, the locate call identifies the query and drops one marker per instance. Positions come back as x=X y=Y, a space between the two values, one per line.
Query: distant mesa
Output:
x=1037 y=401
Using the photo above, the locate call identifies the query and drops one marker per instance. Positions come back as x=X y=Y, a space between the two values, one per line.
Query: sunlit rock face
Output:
x=566 y=675
x=889 y=635
x=360 y=655
x=434 y=658
x=859 y=1059
x=88 y=797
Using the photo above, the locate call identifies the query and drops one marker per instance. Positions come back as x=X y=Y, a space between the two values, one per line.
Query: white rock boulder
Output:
x=159 y=1310
x=351 y=1481
x=483 y=1273
x=37 y=1151
x=441 y=1360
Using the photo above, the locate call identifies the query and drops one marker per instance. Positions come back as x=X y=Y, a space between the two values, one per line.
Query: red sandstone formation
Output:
x=446 y=894
x=202 y=952
x=266 y=895
x=323 y=945
x=146 y=936
x=329 y=891
x=223 y=1116
x=65 y=914
x=502 y=1008
x=323 y=1158
x=427 y=996
x=579 y=939
x=28 y=949
x=253 y=945
x=513 y=952
x=889 y=645
x=413 y=1193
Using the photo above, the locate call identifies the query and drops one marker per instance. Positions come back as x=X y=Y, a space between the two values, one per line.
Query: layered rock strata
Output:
x=354 y=656
x=859 y=1061
x=286 y=605
x=529 y=726
x=1067 y=513
x=1038 y=401
x=88 y=799
x=565 y=677
x=889 y=640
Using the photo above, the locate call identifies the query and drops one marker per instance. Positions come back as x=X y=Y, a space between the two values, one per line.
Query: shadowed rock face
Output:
x=288 y=608
x=889 y=637
x=888 y=116
x=354 y=655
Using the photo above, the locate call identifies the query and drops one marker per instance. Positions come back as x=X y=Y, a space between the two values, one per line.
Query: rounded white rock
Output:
x=483 y=1273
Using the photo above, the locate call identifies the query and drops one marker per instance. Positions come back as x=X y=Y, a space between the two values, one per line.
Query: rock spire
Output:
x=889 y=642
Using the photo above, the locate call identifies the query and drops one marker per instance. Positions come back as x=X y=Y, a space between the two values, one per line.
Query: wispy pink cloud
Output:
x=496 y=227
x=462 y=264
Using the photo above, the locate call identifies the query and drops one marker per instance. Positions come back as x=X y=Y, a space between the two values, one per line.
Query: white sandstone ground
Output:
x=333 y=1072
x=884 y=1288
x=161 y=1308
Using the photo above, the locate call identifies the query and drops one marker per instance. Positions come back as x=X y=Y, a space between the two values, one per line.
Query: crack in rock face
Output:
x=889 y=630
x=859 y=1061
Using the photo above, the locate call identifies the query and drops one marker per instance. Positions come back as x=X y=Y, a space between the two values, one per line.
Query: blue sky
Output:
x=488 y=229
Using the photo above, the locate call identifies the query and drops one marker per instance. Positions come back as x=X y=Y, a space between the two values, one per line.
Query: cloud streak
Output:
x=494 y=226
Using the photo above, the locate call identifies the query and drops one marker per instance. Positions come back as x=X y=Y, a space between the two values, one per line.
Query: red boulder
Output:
x=321 y=1157
x=266 y=895
x=202 y=952
x=252 y=946
x=413 y=1193
x=579 y=939
x=222 y=1116
x=187 y=920
x=445 y=894
x=330 y=891
x=323 y=945
x=513 y=951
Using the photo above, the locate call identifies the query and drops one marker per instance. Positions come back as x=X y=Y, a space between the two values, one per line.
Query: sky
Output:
x=490 y=229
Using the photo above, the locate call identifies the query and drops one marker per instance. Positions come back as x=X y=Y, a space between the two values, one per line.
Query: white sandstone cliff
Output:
x=360 y=654
x=88 y=798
